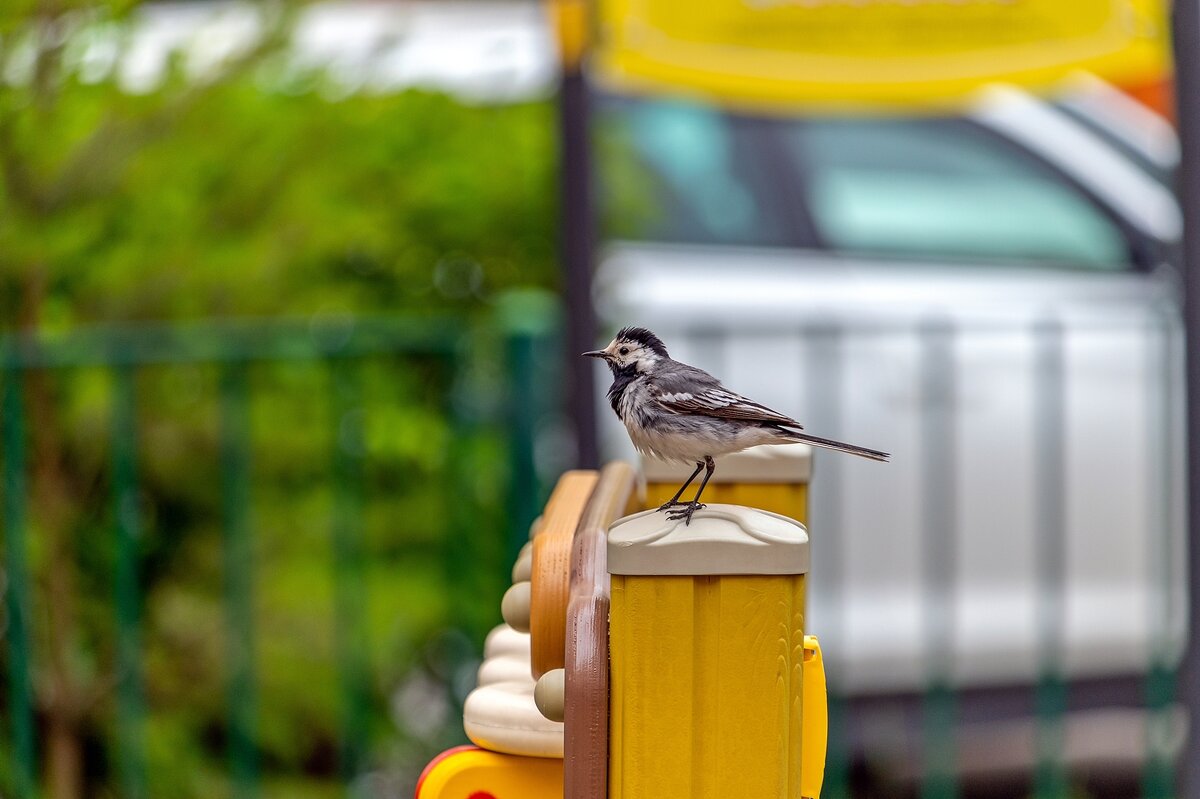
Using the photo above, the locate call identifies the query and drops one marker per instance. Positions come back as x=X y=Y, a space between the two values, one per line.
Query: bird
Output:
x=680 y=413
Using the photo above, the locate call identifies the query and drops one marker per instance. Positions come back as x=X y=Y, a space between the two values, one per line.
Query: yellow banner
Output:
x=794 y=52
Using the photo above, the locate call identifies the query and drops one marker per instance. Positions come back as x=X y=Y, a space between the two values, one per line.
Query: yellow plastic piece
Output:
x=569 y=19
x=468 y=772
x=707 y=687
x=815 y=735
x=890 y=52
x=787 y=499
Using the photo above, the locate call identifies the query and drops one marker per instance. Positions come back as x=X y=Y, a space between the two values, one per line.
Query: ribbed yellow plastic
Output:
x=757 y=611
x=788 y=499
x=707 y=689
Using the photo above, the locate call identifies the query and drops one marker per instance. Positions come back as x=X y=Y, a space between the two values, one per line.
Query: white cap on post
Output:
x=721 y=539
x=774 y=463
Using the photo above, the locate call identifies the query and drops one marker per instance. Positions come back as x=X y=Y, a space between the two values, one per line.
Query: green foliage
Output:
x=267 y=203
x=265 y=192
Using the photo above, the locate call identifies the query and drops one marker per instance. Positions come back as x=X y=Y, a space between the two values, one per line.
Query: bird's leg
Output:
x=686 y=509
x=710 y=466
x=673 y=501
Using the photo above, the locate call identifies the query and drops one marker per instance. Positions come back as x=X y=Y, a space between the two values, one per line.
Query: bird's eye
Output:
x=624 y=350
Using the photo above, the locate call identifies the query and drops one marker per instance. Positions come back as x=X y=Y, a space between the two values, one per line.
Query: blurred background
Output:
x=290 y=296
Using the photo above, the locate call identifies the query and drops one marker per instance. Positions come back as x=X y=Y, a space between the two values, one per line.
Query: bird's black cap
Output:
x=644 y=337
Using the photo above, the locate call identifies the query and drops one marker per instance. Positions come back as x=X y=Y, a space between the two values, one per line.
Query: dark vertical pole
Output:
x=522 y=422
x=239 y=579
x=1161 y=484
x=826 y=385
x=349 y=564
x=460 y=552
x=939 y=511
x=1187 y=91
x=130 y=695
x=578 y=229
x=16 y=574
x=1049 y=489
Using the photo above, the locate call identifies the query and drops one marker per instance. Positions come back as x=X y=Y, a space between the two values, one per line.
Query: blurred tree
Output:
x=256 y=189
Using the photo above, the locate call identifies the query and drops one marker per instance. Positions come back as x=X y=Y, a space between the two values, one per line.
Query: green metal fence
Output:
x=494 y=385
x=482 y=380
x=923 y=753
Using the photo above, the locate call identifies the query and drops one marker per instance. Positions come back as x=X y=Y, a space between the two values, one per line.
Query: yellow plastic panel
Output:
x=470 y=773
x=816 y=720
x=706 y=687
x=787 y=499
x=890 y=52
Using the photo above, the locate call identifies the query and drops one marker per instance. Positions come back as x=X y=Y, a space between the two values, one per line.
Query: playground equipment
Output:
x=644 y=658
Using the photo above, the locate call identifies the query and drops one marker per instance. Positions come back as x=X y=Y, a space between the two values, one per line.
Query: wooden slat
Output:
x=585 y=747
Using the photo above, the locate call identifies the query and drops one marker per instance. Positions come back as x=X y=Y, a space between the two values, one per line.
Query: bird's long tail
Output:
x=840 y=446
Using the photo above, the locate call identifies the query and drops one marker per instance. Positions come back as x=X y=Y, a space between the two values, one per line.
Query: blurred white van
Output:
x=991 y=297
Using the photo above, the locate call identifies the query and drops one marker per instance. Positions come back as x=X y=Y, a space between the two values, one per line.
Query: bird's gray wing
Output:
x=687 y=390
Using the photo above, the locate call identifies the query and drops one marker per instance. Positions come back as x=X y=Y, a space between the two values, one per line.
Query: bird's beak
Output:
x=596 y=354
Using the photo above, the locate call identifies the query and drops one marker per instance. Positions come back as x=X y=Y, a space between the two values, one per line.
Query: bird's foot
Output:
x=685 y=511
x=666 y=506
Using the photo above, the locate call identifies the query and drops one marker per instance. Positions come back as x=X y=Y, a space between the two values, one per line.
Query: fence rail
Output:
x=237 y=340
x=340 y=348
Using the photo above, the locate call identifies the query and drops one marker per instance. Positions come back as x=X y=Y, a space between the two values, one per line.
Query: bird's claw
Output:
x=666 y=506
x=685 y=512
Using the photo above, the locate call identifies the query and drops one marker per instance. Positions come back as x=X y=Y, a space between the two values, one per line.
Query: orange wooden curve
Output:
x=550 y=572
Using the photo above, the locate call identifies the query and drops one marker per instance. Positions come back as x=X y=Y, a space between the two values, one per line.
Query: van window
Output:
x=681 y=172
x=943 y=188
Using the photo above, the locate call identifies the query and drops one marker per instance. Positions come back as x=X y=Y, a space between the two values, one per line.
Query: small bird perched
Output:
x=680 y=413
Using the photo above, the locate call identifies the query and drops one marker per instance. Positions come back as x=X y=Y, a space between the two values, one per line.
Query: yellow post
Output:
x=708 y=657
x=773 y=478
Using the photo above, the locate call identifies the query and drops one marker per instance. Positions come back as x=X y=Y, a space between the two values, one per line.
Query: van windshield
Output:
x=937 y=188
